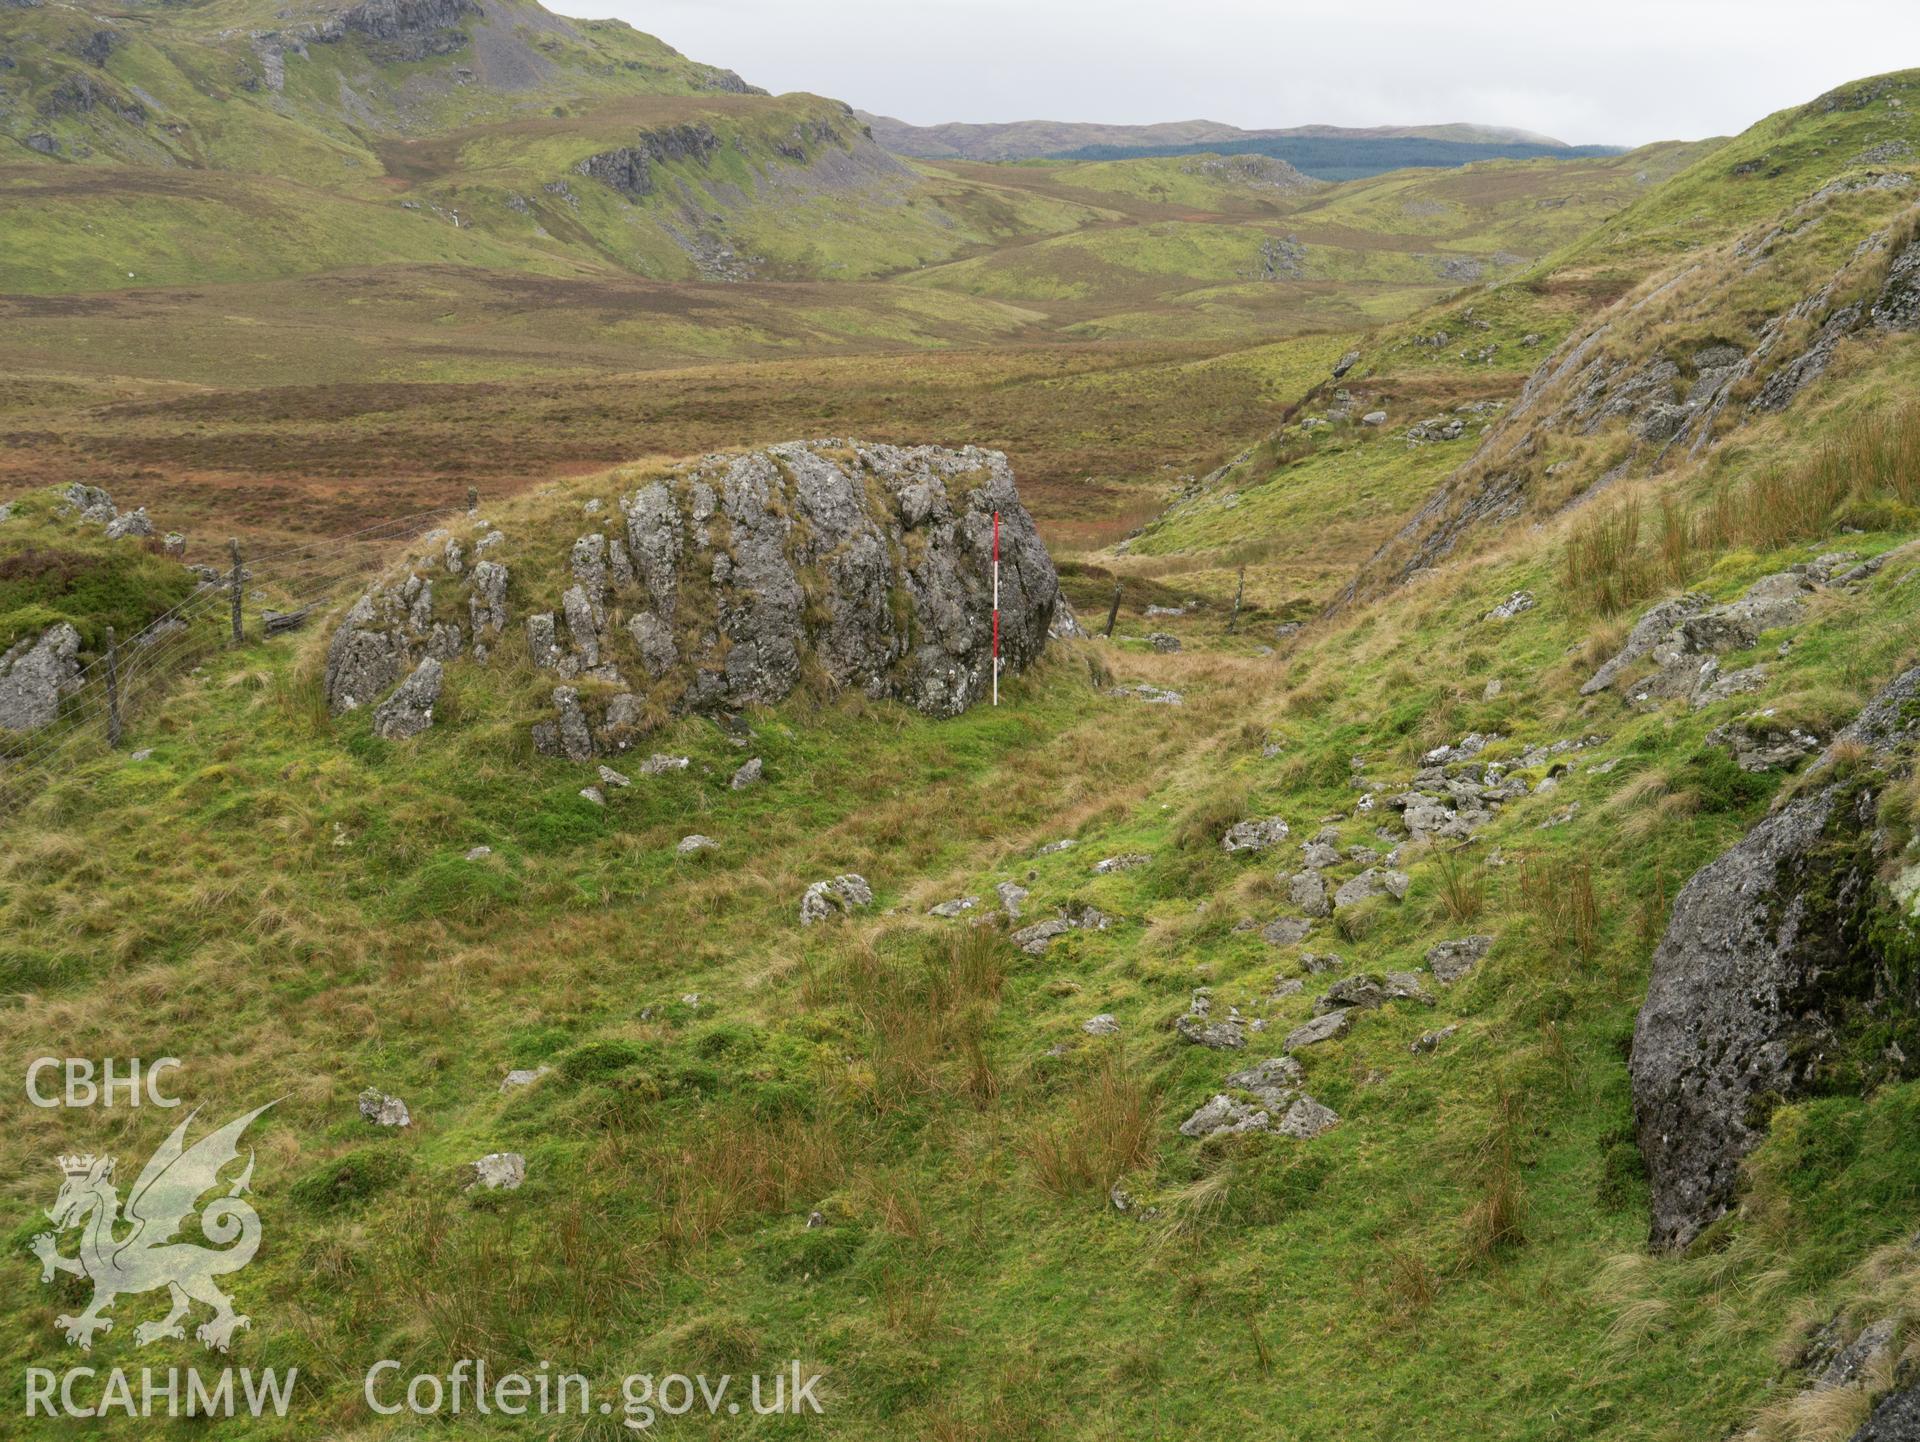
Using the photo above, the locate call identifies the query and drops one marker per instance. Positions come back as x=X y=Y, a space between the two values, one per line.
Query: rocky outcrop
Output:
x=629 y=168
x=409 y=710
x=35 y=675
x=1895 y=1419
x=1780 y=957
x=729 y=583
x=1639 y=370
x=405 y=30
x=1684 y=636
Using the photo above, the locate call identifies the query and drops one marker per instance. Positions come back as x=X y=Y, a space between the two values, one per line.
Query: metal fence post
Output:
x=1113 y=611
x=233 y=549
x=113 y=690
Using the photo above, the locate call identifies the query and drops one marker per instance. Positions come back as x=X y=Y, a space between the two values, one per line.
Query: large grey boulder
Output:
x=35 y=674
x=737 y=578
x=1778 y=956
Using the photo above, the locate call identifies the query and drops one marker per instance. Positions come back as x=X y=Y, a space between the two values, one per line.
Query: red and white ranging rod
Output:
x=996 y=608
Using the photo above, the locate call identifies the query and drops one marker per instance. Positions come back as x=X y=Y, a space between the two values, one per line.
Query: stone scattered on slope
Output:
x=1775 y=956
x=1274 y=1080
x=1432 y=1040
x=956 y=907
x=1127 y=861
x=497 y=1172
x=1225 y=1116
x=1011 y=897
x=1451 y=960
x=845 y=893
x=1322 y=1028
x=1286 y=931
x=1156 y=695
x=610 y=777
x=1370 y=883
x=1361 y=993
x=1518 y=602
x=1255 y=835
x=382 y=1110
x=521 y=1077
x=1105 y=1024
x=687 y=845
x=1307 y=891
x=659 y=764
x=593 y=794
x=1407 y=986
x=1227 y=1035
x=1757 y=744
x=35 y=675
x=747 y=775
x=1307 y=1119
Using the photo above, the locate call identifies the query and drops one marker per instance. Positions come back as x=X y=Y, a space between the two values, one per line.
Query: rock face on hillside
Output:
x=726 y=583
x=1635 y=370
x=1788 y=967
x=35 y=675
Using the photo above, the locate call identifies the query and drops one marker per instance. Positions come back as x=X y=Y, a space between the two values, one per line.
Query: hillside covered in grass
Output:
x=1240 y=1034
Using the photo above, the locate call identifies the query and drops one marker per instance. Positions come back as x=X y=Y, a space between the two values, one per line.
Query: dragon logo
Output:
x=147 y=1257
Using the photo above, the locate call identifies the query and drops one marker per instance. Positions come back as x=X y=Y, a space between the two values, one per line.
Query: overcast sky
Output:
x=1597 y=71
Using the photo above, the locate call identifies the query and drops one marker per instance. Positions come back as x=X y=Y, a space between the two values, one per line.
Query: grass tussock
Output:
x=1108 y=1127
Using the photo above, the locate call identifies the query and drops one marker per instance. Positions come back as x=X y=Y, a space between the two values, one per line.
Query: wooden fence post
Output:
x=233 y=549
x=113 y=690
x=1113 y=611
x=1233 y=621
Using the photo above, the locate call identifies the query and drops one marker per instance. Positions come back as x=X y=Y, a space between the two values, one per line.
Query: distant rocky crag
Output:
x=727 y=582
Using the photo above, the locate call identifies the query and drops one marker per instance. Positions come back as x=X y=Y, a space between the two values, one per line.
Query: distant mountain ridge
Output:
x=1035 y=139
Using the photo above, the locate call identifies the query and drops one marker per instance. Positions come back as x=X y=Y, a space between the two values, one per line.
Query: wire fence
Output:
x=255 y=599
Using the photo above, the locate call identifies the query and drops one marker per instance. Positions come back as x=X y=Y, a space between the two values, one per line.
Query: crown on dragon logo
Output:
x=76 y=1166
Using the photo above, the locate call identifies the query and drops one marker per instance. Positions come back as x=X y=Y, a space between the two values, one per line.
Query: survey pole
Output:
x=996 y=608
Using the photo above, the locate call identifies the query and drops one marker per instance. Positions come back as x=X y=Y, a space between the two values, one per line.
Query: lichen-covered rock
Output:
x=1778 y=956
x=1370 y=883
x=1451 y=960
x=845 y=893
x=382 y=1110
x=1255 y=835
x=1307 y=1119
x=497 y=1172
x=35 y=674
x=1895 y=1419
x=1308 y=891
x=409 y=710
x=1322 y=1028
x=1223 y=1116
x=1225 y=1035
x=857 y=567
